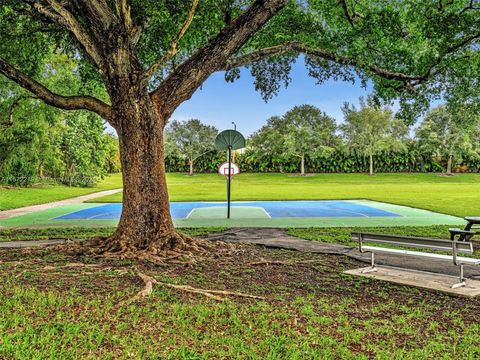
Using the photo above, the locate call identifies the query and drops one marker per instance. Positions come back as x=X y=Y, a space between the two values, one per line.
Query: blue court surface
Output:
x=270 y=209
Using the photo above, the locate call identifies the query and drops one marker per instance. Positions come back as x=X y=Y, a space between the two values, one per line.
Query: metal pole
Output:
x=229 y=179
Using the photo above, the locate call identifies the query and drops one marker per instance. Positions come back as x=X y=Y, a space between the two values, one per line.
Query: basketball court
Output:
x=315 y=213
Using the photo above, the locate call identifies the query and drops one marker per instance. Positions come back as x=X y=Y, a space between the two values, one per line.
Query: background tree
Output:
x=443 y=135
x=137 y=61
x=84 y=149
x=189 y=140
x=308 y=132
x=28 y=139
x=371 y=130
x=40 y=143
x=303 y=131
x=112 y=156
x=267 y=143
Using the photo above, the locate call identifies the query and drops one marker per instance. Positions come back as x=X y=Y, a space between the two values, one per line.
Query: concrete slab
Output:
x=422 y=279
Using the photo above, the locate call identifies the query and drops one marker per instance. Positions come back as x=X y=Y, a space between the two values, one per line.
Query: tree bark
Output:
x=190 y=163
x=40 y=170
x=302 y=164
x=449 y=165
x=145 y=223
x=370 y=172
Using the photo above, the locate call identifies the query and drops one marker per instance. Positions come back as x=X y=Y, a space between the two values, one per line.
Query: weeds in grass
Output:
x=309 y=312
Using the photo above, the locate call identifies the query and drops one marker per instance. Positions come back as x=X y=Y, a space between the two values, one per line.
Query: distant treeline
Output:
x=40 y=144
x=305 y=139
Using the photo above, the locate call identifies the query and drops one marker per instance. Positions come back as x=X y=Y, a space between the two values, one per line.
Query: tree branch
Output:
x=409 y=81
x=351 y=18
x=188 y=76
x=12 y=108
x=124 y=14
x=53 y=99
x=470 y=6
x=173 y=48
x=319 y=53
x=100 y=12
x=58 y=13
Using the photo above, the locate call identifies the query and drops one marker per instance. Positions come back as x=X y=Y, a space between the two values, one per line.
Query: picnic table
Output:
x=471 y=222
x=466 y=233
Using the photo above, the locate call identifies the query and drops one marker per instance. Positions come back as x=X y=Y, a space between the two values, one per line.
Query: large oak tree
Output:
x=140 y=59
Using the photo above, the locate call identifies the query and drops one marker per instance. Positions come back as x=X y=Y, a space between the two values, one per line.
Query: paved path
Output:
x=30 y=243
x=277 y=238
x=76 y=200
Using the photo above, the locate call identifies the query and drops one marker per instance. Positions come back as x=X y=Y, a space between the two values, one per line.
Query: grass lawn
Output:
x=329 y=235
x=78 y=233
x=14 y=197
x=51 y=306
x=62 y=306
x=457 y=195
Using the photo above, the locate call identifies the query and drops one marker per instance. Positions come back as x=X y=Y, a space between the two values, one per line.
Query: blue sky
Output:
x=219 y=103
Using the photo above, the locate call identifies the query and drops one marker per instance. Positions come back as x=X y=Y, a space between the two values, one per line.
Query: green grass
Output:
x=328 y=235
x=14 y=197
x=79 y=233
x=310 y=311
x=458 y=195
x=344 y=235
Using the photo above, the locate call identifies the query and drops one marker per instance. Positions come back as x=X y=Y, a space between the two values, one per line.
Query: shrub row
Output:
x=410 y=160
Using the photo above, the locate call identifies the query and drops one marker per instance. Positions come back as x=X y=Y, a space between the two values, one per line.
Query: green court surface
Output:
x=243 y=216
x=237 y=213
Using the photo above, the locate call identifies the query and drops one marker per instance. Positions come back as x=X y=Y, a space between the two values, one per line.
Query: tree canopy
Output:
x=412 y=50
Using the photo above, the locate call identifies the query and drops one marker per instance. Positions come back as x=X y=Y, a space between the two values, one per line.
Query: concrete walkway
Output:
x=76 y=200
x=30 y=243
x=277 y=238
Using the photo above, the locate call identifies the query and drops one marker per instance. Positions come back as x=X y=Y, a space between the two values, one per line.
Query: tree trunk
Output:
x=371 y=165
x=40 y=171
x=145 y=223
x=302 y=164
x=449 y=165
x=190 y=163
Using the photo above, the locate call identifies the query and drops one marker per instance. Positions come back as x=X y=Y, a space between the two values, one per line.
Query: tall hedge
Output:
x=340 y=161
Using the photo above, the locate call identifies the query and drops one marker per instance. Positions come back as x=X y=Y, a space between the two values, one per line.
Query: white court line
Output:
x=101 y=214
x=253 y=207
x=266 y=212
x=190 y=213
x=72 y=212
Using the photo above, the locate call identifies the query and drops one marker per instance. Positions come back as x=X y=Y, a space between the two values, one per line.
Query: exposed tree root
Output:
x=288 y=263
x=72 y=265
x=19 y=275
x=212 y=294
x=174 y=248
